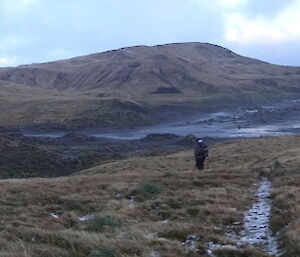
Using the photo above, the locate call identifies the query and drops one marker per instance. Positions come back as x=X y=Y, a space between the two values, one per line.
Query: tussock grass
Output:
x=280 y=161
x=98 y=223
x=240 y=253
x=99 y=209
x=149 y=190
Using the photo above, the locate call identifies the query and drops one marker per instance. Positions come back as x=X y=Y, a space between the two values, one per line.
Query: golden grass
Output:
x=191 y=202
x=22 y=105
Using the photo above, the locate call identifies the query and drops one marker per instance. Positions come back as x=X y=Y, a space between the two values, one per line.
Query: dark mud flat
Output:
x=281 y=118
x=256 y=121
x=66 y=152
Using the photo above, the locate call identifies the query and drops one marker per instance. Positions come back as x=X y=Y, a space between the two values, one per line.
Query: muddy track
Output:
x=255 y=230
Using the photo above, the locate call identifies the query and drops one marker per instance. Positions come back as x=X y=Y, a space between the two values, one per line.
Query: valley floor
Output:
x=155 y=206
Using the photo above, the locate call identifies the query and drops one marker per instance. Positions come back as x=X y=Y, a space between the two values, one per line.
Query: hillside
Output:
x=142 y=82
x=151 y=206
x=26 y=157
x=43 y=108
x=167 y=69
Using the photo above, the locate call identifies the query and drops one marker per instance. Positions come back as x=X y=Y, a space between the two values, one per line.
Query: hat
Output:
x=199 y=140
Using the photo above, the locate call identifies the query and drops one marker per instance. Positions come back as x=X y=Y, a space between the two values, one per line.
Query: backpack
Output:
x=201 y=150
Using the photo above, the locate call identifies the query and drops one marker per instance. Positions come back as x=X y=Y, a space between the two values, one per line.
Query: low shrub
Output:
x=98 y=223
x=150 y=190
x=276 y=165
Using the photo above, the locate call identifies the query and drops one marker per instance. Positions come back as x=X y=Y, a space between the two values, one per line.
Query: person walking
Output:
x=201 y=153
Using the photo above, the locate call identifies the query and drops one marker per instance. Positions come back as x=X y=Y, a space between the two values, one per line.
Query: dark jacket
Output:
x=201 y=151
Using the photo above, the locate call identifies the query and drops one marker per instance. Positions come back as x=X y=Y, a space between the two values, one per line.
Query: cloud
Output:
x=7 y=61
x=39 y=30
x=58 y=53
x=11 y=41
x=283 y=27
x=15 y=7
x=231 y=4
x=3 y=60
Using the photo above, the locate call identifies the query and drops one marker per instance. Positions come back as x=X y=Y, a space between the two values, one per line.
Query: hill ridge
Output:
x=200 y=68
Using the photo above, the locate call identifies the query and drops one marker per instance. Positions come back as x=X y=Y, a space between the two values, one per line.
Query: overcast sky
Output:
x=44 y=30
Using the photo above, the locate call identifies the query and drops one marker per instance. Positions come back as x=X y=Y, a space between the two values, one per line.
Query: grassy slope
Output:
x=25 y=106
x=21 y=106
x=206 y=77
x=43 y=108
x=193 y=202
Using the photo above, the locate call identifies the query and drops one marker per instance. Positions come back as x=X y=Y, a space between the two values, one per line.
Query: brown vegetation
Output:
x=141 y=206
x=191 y=68
x=143 y=81
x=26 y=106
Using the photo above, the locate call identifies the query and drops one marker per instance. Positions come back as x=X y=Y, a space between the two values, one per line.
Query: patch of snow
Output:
x=151 y=235
x=86 y=217
x=191 y=243
x=154 y=254
x=155 y=236
x=121 y=235
x=165 y=221
x=54 y=215
x=131 y=204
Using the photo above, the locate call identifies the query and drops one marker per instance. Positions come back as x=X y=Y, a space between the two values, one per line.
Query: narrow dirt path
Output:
x=255 y=230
